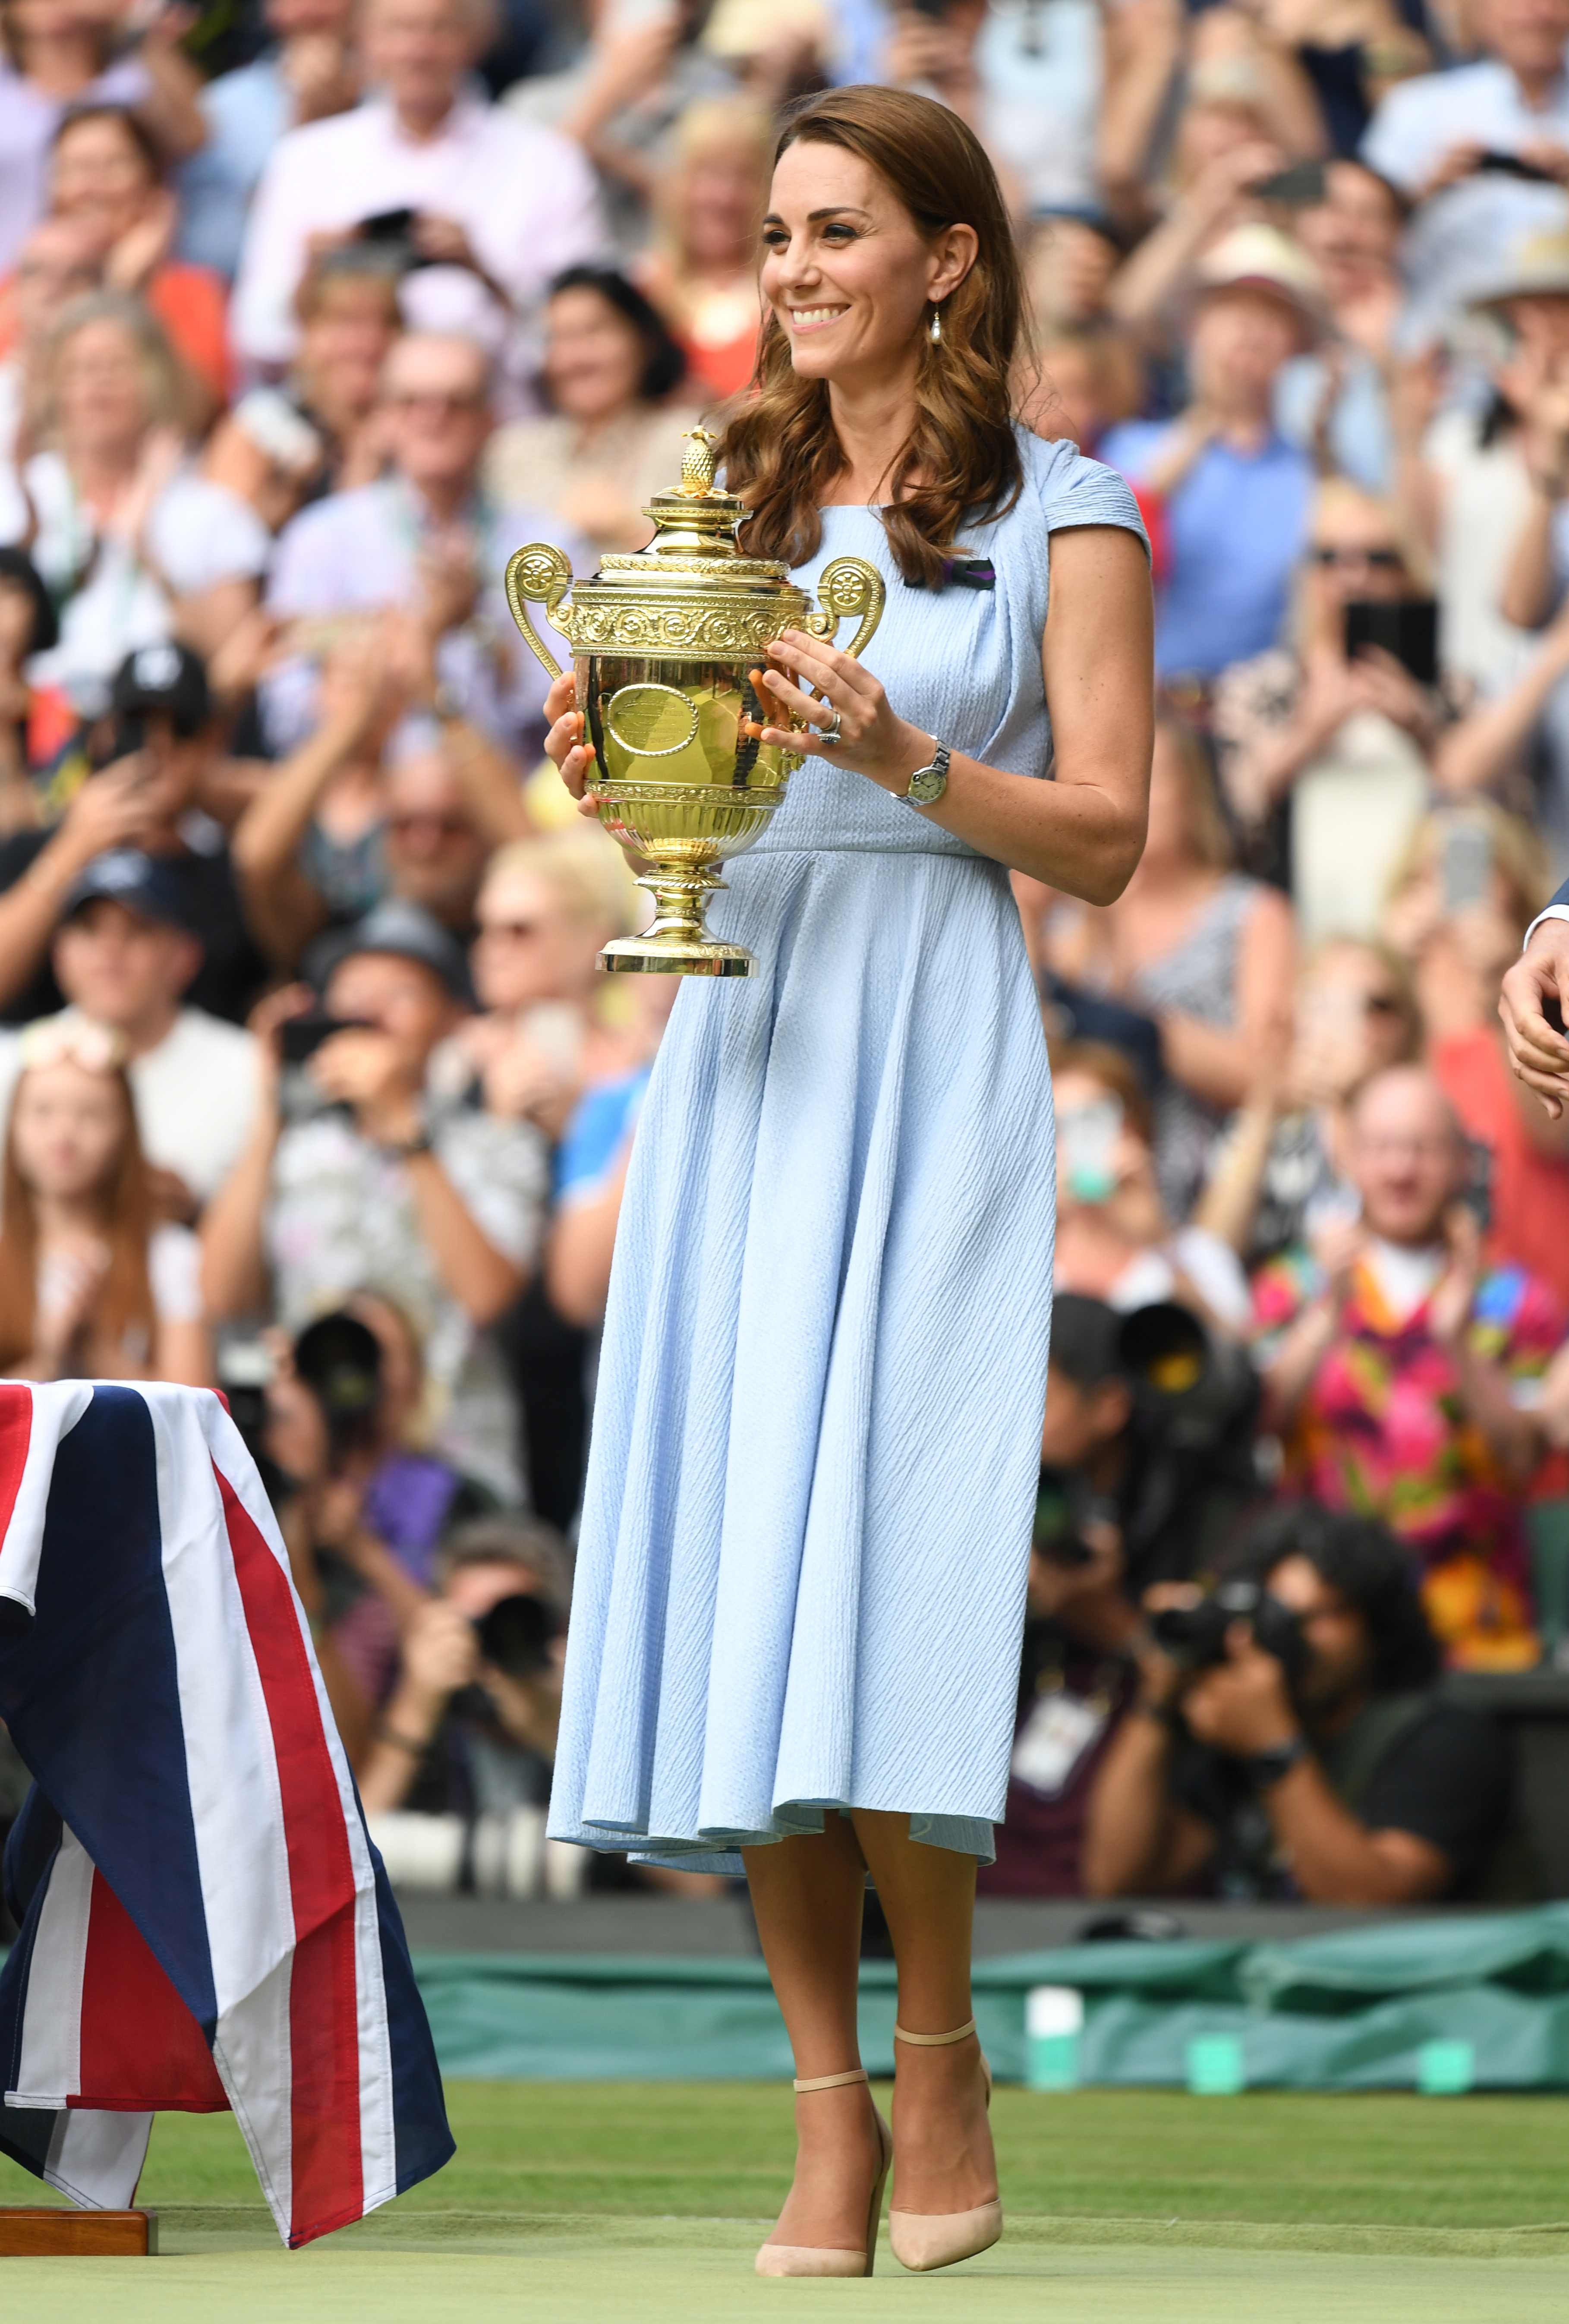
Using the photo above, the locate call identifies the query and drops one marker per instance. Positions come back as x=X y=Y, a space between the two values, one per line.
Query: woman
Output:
x=89 y=1288
x=57 y=53
x=701 y=273
x=1200 y=948
x=107 y=174
x=611 y=443
x=1323 y=753
x=805 y=1530
x=1472 y=884
x=1281 y=1171
x=1113 y=1241
x=134 y=548
x=347 y=309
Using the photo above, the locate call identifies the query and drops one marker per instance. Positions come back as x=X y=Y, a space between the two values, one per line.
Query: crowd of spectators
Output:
x=311 y=311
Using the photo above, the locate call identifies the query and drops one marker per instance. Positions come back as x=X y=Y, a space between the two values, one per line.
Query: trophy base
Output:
x=677 y=956
x=676 y=942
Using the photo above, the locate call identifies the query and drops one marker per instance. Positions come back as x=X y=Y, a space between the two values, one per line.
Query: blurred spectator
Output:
x=1205 y=951
x=1335 y=401
x=369 y=806
x=160 y=793
x=359 y=1178
x=1029 y=84
x=1138 y=1486
x=1459 y=904
x=123 y=957
x=135 y=546
x=57 y=263
x=611 y=370
x=58 y=55
x=1279 y=1172
x=425 y=538
x=350 y=315
x=1324 y=750
x=89 y=1286
x=506 y=202
x=702 y=270
x=306 y=73
x=1113 y=1240
x=107 y=175
x=1403 y=1372
x=1437 y=129
x=1311 y=1758
x=622 y=100
x=463 y=1731
x=27 y=627
x=1236 y=493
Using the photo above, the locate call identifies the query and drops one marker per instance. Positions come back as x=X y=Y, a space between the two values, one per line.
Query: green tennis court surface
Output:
x=590 y=2200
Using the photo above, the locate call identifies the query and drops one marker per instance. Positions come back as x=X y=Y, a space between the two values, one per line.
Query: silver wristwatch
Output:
x=929 y=783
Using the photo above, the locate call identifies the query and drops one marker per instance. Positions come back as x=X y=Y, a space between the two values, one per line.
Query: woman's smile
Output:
x=815 y=318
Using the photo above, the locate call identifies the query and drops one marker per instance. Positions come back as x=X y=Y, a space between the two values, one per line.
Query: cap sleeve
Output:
x=1075 y=491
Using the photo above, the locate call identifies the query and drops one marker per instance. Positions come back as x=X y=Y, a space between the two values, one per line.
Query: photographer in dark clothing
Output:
x=1296 y=1748
x=1146 y=1462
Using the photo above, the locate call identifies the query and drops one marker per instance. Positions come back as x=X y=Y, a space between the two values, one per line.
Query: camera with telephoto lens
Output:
x=1195 y=1636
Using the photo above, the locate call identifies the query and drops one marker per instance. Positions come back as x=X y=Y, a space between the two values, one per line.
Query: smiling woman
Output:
x=802 y=1566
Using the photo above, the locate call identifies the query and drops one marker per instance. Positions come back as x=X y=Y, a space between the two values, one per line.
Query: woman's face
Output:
x=1354 y=555
x=342 y=346
x=594 y=357
x=100 y=387
x=848 y=274
x=1350 y=1023
x=716 y=209
x=67 y=1127
x=529 y=947
x=100 y=177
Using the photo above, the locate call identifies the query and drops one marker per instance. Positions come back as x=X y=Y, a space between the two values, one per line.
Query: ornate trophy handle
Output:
x=848 y=588
x=538 y=574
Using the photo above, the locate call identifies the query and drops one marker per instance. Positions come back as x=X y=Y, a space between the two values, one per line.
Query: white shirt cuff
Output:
x=1553 y=912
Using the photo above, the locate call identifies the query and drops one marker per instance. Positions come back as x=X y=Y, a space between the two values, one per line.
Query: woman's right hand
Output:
x=566 y=742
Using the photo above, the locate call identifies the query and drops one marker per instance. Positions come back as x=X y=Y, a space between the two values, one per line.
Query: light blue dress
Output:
x=806 y=1529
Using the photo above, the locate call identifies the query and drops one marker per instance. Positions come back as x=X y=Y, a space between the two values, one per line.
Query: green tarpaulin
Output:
x=1349 y=2011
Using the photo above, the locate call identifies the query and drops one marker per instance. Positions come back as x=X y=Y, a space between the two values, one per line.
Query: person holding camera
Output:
x=1285 y=1740
x=1137 y=1484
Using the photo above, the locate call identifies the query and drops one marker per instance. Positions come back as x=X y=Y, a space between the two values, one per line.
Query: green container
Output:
x=1216 y=2067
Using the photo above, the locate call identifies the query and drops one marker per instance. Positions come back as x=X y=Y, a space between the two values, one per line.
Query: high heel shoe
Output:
x=814 y=2259
x=928 y=2239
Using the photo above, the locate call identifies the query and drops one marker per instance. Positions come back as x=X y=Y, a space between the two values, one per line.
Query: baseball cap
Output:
x=126 y=876
x=404 y=929
x=166 y=677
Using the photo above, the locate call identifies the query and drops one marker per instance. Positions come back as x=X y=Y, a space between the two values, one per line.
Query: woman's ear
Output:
x=953 y=254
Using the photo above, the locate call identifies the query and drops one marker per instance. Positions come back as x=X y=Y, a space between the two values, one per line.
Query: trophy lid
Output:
x=695 y=518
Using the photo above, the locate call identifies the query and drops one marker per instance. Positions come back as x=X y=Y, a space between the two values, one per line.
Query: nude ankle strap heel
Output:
x=922 y=2240
x=814 y=2259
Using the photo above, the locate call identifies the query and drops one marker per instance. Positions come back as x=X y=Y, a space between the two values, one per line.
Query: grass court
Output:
x=571 y=2201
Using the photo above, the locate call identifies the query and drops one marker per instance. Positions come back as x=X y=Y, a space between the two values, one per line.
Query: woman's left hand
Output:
x=872 y=739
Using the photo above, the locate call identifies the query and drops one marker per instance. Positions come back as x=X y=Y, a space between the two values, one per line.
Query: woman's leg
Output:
x=942 y=2139
x=807 y=1894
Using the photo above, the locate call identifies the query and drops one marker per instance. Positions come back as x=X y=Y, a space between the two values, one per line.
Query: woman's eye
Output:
x=774 y=237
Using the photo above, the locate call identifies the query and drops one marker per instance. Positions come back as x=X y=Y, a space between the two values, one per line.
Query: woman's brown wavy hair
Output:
x=780 y=451
x=123 y=1318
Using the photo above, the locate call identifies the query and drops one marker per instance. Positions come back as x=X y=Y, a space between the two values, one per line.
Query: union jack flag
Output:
x=205 y=1923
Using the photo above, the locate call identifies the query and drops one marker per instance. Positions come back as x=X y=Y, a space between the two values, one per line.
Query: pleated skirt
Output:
x=805 y=1530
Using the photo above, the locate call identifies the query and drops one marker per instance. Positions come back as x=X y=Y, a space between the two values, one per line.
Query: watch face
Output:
x=928 y=784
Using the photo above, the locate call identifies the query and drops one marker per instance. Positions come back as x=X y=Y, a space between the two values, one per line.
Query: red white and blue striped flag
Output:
x=205 y=1923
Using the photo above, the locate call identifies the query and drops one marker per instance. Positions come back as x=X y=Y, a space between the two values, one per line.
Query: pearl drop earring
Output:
x=936 y=327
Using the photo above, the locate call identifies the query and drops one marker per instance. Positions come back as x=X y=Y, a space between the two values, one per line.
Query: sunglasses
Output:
x=435 y=399
x=1383 y=560
x=450 y=826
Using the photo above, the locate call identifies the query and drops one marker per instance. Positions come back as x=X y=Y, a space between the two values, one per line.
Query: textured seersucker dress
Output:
x=806 y=1529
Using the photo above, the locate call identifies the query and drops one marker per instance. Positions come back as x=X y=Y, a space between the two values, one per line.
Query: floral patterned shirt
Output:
x=1383 y=1429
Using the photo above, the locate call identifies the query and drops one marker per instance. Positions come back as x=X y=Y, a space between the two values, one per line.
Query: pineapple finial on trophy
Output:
x=698 y=464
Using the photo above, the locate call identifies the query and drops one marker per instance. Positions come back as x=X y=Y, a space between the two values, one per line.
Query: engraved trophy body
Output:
x=668 y=645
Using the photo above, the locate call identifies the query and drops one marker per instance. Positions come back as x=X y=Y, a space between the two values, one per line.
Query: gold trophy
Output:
x=667 y=646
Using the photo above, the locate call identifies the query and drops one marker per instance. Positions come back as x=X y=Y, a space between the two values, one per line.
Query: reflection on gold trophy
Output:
x=668 y=647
